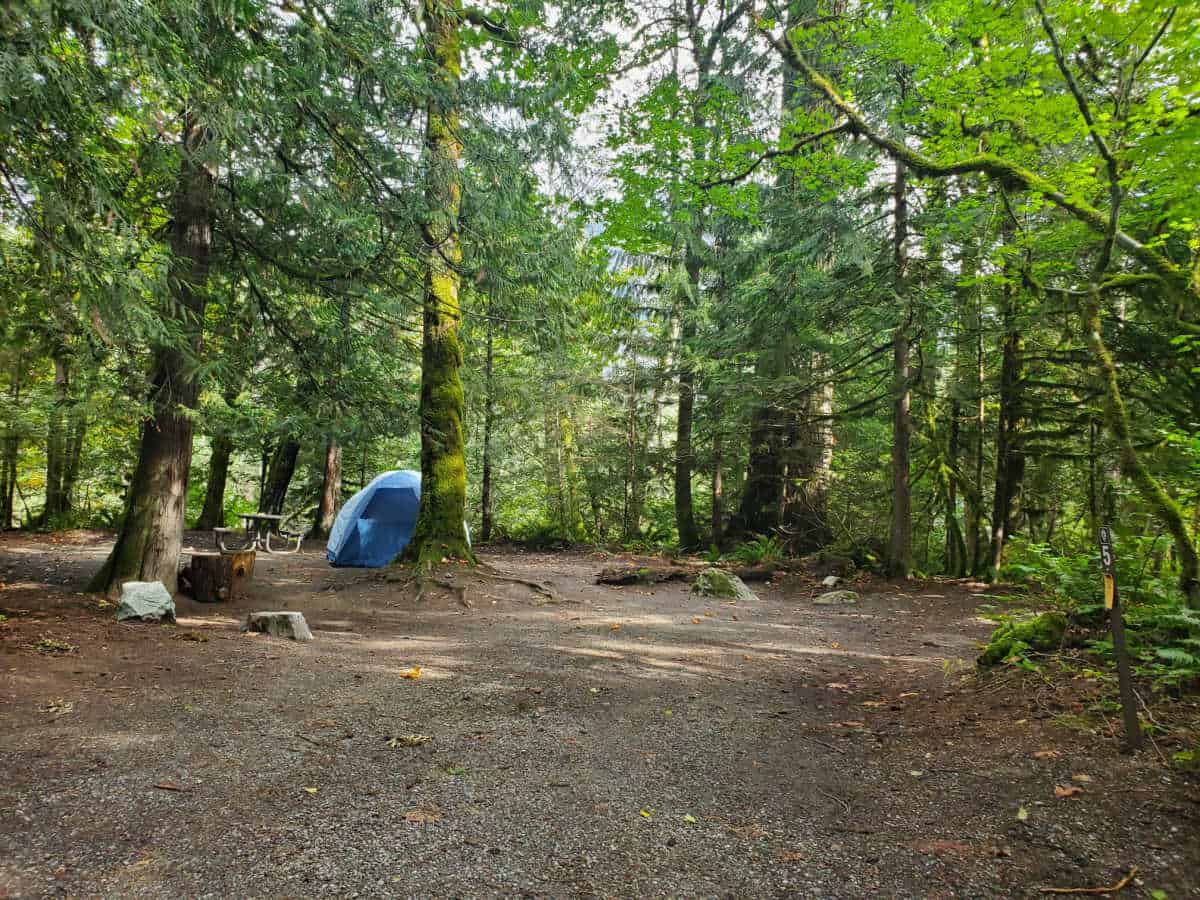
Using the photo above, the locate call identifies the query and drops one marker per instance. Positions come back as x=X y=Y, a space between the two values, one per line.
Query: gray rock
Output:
x=148 y=601
x=836 y=598
x=831 y=581
x=280 y=624
x=722 y=584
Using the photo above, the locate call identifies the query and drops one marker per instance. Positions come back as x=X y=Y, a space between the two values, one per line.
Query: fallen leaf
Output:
x=910 y=694
x=594 y=690
x=747 y=657
x=791 y=856
x=412 y=674
x=838 y=686
x=1047 y=754
x=615 y=626
x=1081 y=778
x=409 y=740
x=1067 y=791
x=171 y=786
x=875 y=703
x=646 y=813
x=734 y=617
x=696 y=620
x=310 y=790
x=853 y=724
x=690 y=819
x=753 y=831
x=708 y=614
x=1022 y=814
x=835 y=646
x=667 y=712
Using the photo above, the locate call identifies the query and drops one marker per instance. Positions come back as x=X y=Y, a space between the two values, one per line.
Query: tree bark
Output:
x=718 y=488
x=331 y=490
x=489 y=419
x=151 y=535
x=441 y=531
x=1010 y=461
x=57 y=440
x=810 y=464
x=212 y=515
x=685 y=516
x=900 y=558
x=279 y=477
x=1164 y=508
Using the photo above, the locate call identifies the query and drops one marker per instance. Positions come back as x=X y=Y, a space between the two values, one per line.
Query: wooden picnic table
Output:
x=258 y=529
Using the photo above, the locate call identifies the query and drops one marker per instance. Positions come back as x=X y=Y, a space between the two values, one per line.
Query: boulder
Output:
x=147 y=601
x=721 y=584
x=836 y=598
x=831 y=581
x=279 y=624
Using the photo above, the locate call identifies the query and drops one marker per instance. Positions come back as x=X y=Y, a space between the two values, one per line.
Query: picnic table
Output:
x=257 y=531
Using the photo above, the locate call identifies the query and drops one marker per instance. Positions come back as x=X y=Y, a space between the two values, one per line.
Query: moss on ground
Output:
x=1042 y=632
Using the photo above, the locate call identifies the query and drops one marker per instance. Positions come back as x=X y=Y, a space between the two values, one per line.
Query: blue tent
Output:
x=377 y=522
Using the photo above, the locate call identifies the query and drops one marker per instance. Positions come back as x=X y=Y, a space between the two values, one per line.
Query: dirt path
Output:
x=625 y=742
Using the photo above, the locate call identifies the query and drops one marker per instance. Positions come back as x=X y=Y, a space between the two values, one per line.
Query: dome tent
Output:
x=377 y=522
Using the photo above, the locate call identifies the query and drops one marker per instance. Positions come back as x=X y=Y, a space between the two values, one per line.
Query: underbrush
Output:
x=1163 y=633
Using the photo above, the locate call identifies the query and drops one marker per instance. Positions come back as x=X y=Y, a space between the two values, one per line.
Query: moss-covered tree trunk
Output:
x=441 y=533
x=151 y=535
x=1164 y=508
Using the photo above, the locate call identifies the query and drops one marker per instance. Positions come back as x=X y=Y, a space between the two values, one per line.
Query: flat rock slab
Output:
x=147 y=601
x=279 y=624
x=719 y=583
x=836 y=598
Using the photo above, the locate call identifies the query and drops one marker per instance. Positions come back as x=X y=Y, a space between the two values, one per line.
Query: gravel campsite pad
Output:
x=608 y=741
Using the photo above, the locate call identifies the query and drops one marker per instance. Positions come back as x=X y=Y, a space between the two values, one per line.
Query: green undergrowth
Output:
x=1163 y=633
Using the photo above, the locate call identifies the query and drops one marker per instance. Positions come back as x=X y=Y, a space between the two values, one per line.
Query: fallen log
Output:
x=655 y=575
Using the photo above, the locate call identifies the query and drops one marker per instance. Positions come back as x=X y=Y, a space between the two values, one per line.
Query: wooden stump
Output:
x=216 y=577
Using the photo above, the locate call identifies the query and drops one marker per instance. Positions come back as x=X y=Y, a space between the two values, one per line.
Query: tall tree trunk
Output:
x=331 y=490
x=212 y=515
x=685 y=516
x=718 y=488
x=967 y=405
x=810 y=464
x=1010 y=460
x=489 y=419
x=441 y=531
x=631 y=514
x=1160 y=503
x=57 y=439
x=279 y=477
x=761 y=501
x=900 y=556
x=9 y=445
x=151 y=535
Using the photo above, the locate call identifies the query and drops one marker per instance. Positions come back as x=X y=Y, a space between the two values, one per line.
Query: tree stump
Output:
x=217 y=577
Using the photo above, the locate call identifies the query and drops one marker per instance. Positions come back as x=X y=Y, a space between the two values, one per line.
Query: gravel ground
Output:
x=626 y=742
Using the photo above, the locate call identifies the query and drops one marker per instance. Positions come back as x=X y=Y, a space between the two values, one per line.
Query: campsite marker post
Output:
x=1116 y=623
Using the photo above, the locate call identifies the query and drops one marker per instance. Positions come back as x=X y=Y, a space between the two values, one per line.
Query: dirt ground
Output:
x=620 y=741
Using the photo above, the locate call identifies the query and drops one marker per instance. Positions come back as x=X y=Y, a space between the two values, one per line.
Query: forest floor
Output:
x=621 y=741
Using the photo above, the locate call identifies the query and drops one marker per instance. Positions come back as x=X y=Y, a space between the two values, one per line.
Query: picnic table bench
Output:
x=256 y=533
